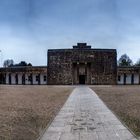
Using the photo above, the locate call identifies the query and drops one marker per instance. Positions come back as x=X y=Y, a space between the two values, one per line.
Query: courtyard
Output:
x=124 y=101
x=26 y=111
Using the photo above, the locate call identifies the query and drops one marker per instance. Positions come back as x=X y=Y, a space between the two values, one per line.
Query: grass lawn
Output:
x=26 y=110
x=124 y=101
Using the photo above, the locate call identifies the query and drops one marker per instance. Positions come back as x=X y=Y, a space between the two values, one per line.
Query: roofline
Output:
x=93 y=49
x=13 y=67
x=128 y=66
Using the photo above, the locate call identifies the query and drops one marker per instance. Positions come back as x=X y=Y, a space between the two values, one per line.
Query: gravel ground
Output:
x=26 y=110
x=124 y=101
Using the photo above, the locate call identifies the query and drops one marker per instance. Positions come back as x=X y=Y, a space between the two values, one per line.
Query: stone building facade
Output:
x=82 y=65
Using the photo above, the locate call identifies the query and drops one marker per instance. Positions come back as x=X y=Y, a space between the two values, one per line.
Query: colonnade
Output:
x=26 y=78
x=128 y=79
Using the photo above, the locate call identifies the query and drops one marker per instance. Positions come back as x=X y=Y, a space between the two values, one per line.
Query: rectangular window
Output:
x=119 y=78
x=37 y=78
x=45 y=78
x=29 y=78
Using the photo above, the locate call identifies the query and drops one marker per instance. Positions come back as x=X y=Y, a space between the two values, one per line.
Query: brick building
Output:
x=82 y=65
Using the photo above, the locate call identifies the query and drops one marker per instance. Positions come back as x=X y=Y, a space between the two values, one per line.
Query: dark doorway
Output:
x=132 y=79
x=23 y=79
x=16 y=78
x=124 y=79
x=2 y=79
x=81 y=79
x=9 y=79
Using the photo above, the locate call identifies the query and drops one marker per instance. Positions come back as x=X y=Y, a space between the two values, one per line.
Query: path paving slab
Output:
x=85 y=117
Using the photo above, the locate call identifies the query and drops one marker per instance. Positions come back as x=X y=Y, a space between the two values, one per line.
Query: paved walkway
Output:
x=85 y=117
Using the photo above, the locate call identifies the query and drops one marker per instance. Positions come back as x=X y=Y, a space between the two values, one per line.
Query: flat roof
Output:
x=95 y=49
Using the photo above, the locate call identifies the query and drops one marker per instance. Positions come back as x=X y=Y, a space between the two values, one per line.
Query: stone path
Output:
x=85 y=117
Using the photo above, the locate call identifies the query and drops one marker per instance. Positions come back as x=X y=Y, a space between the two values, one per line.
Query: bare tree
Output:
x=138 y=62
x=125 y=61
x=8 y=63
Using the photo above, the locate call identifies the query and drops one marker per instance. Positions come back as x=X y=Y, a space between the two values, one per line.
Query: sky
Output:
x=28 y=28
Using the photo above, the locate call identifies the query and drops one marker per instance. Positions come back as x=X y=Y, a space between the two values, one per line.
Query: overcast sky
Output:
x=29 y=27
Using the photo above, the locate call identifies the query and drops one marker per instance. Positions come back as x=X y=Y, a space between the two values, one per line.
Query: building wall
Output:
x=59 y=67
x=13 y=81
x=128 y=79
x=7 y=78
x=35 y=82
x=23 y=75
x=121 y=80
x=19 y=78
x=27 y=81
x=68 y=66
x=136 y=79
x=42 y=81
x=64 y=66
x=128 y=75
x=128 y=71
x=2 y=78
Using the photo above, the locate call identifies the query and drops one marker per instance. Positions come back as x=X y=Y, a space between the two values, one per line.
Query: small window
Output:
x=119 y=78
x=29 y=78
x=37 y=78
x=45 y=78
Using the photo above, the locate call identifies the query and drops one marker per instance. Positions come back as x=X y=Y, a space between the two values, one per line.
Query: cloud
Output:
x=29 y=27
